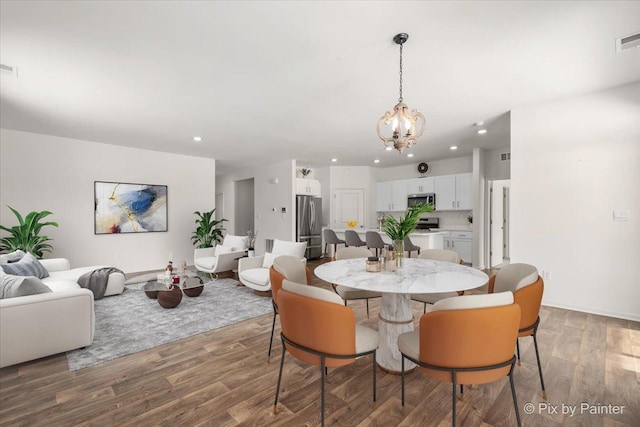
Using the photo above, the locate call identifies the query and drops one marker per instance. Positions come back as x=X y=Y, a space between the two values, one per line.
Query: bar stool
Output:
x=330 y=238
x=374 y=241
x=353 y=239
x=409 y=246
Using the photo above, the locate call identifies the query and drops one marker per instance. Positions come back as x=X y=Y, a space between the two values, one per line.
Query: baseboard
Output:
x=626 y=316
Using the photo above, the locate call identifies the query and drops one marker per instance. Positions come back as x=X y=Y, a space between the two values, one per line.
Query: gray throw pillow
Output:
x=18 y=286
x=11 y=257
x=27 y=266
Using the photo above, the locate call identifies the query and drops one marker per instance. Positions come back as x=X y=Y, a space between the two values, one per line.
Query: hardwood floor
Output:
x=222 y=378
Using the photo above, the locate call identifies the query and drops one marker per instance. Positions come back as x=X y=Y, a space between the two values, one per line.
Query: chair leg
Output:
x=273 y=328
x=367 y=307
x=425 y=308
x=518 y=350
x=454 y=382
x=409 y=254
x=535 y=344
x=322 y=368
x=515 y=398
x=402 y=381
x=461 y=392
x=325 y=248
x=374 y=380
x=275 y=404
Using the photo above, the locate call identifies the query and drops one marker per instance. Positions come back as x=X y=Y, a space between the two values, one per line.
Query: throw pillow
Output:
x=11 y=257
x=268 y=259
x=222 y=250
x=27 y=266
x=18 y=286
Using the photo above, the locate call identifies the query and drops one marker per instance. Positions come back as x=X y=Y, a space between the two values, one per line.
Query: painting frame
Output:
x=126 y=207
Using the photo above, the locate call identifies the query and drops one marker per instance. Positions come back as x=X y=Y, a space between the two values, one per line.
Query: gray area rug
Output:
x=131 y=322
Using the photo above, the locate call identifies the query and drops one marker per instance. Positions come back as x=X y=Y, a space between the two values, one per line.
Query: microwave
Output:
x=429 y=198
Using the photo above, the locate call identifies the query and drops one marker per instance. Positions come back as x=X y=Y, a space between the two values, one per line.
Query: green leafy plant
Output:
x=26 y=235
x=208 y=229
x=398 y=229
x=305 y=172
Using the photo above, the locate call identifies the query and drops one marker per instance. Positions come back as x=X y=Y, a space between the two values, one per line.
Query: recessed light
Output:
x=478 y=123
x=197 y=138
x=482 y=131
x=388 y=148
x=334 y=160
x=453 y=147
x=410 y=155
x=376 y=161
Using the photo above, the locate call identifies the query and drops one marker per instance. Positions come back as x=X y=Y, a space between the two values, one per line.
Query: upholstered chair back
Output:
x=470 y=331
x=515 y=276
x=440 y=255
x=238 y=243
x=330 y=237
x=352 y=238
x=284 y=247
x=316 y=318
x=353 y=252
x=287 y=267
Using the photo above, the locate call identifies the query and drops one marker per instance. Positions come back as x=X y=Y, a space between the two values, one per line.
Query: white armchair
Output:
x=221 y=257
x=253 y=272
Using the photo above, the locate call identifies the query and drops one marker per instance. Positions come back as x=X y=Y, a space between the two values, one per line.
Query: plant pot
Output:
x=251 y=253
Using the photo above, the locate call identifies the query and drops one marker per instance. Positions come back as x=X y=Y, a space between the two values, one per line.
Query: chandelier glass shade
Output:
x=401 y=127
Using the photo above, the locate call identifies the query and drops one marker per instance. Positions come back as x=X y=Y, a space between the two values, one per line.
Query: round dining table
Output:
x=416 y=276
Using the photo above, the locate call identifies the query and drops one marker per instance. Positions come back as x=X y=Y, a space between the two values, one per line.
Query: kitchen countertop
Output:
x=364 y=230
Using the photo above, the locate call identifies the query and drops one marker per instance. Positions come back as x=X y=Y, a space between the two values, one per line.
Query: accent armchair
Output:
x=223 y=257
x=253 y=272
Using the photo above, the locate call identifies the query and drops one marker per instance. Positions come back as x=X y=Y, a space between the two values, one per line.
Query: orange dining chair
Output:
x=465 y=340
x=527 y=287
x=317 y=329
x=445 y=255
x=285 y=267
x=347 y=293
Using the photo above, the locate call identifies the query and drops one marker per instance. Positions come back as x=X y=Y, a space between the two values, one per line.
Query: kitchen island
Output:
x=424 y=239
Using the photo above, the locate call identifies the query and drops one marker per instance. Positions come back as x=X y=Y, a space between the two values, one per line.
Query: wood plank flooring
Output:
x=222 y=378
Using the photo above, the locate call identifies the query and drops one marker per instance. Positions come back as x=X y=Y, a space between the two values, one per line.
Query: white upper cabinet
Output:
x=420 y=186
x=453 y=192
x=391 y=196
x=308 y=187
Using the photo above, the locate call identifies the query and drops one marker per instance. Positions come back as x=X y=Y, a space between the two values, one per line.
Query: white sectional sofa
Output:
x=36 y=326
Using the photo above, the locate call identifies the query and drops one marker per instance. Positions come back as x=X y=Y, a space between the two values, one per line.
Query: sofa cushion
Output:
x=11 y=257
x=12 y=286
x=268 y=260
x=238 y=243
x=259 y=276
x=207 y=262
x=60 y=285
x=27 y=266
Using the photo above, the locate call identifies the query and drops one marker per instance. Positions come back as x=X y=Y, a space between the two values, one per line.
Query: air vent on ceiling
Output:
x=505 y=156
x=627 y=42
x=9 y=70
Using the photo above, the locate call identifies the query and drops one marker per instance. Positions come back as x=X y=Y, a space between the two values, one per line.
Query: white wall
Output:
x=42 y=172
x=494 y=168
x=245 y=198
x=573 y=162
x=269 y=196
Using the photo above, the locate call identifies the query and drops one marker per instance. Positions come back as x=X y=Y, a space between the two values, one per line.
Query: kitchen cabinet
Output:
x=420 y=186
x=462 y=242
x=308 y=187
x=453 y=192
x=391 y=196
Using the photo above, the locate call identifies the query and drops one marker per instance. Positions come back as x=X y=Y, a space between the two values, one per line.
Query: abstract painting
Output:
x=129 y=208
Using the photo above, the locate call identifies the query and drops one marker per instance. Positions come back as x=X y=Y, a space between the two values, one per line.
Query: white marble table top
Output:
x=417 y=276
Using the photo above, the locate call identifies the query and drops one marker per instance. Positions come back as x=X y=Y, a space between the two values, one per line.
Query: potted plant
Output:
x=208 y=230
x=305 y=172
x=399 y=229
x=26 y=235
x=251 y=241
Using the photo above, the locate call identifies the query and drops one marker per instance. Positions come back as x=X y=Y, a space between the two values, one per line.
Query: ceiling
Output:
x=264 y=81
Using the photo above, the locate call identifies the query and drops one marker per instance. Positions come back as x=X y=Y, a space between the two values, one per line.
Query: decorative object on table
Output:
x=305 y=172
x=389 y=259
x=402 y=122
x=129 y=208
x=170 y=298
x=352 y=224
x=373 y=264
x=398 y=229
x=470 y=219
x=251 y=241
x=183 y=266
x=26 y=235
x=169 y=269
x=208 y=231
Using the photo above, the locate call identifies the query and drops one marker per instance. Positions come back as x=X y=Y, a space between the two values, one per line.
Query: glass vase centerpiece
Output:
x=399 y=229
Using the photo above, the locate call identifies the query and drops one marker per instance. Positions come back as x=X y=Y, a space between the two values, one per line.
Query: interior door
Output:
x=496 y=223
x=348 y=205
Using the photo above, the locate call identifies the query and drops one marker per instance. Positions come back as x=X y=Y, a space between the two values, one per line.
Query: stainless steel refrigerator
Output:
x=309 y=224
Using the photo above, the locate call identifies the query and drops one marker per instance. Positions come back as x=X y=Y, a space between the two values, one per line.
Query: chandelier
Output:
x=399 y=126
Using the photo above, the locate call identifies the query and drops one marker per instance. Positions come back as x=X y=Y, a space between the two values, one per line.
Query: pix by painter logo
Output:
x=571 y=410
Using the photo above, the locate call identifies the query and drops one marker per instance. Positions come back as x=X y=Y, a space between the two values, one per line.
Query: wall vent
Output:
x=505 y=156
x=628 y=42
x=8 y=70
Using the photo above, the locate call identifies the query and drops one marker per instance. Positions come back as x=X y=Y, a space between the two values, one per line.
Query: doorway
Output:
x=499 y=222
x=243 y=220
x=219 y=206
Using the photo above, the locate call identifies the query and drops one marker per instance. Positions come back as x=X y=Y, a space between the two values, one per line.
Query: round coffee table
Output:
x=170 y=298
x=193 y=286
